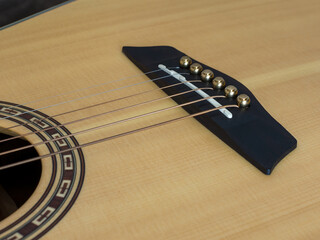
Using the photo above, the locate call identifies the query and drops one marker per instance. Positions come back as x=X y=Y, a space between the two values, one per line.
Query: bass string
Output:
x=91 y=95
x=99 y=104
x=116 y=136
x=105 y=113
x=113 y=123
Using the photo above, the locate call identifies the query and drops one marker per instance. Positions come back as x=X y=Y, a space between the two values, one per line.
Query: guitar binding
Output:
x=251 y=131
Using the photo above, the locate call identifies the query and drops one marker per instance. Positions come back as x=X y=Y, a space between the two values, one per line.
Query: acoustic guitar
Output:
x=161 y=120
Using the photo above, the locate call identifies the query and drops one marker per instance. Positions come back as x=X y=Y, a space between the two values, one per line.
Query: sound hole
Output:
x=18 y=183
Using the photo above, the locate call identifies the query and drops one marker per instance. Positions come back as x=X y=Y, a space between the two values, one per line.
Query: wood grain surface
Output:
x=177 y=181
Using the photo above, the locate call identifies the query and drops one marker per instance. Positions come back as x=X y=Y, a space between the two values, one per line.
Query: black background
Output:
x=14 y=10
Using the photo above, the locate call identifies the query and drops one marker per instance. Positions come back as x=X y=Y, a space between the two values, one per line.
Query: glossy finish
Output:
x=196 y=68
x=231 y=91
x=207 y=75
x=218 y=83
x=243 y=100
x=185 y=62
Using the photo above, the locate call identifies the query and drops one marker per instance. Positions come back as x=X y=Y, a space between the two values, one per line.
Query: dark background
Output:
x=14 y=10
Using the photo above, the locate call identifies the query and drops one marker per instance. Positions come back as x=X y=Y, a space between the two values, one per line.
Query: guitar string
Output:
x=108 y=112
x=99 y=104
x=120 y=121
x=116 y=136
x=87 y=96
x=87 y=88
x=111 y=123
x=91 y=95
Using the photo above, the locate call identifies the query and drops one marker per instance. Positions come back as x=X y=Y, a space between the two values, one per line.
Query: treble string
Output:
x=117 y=136
x=112 y=111
x=112 y=123
x=88 y=96
x=86 y=88
x=96 y=105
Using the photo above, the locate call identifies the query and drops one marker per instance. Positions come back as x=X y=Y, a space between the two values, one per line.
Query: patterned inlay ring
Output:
x=64 y=185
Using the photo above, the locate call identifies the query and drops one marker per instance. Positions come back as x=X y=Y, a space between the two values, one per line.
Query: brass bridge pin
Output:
x=231 y=91
x=207 y=75
x=196 y=68
x=185 y=62
x=218 y=83
x=243 y=100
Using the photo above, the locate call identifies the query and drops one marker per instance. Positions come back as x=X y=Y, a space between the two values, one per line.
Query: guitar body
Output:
x=177 y=181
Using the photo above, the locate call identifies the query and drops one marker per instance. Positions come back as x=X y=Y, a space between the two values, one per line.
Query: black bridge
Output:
x=251 y=131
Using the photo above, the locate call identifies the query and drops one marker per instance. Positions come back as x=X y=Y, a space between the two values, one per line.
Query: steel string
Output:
x=110 y=124
x=91 y=95
x=116 y=136
x=98 y=104
x=87 y=88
